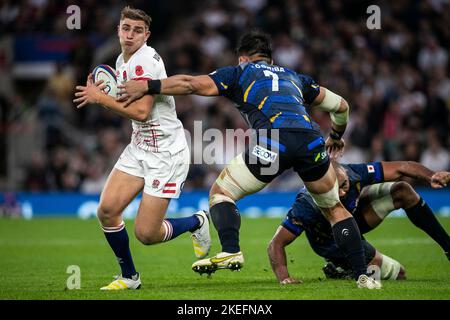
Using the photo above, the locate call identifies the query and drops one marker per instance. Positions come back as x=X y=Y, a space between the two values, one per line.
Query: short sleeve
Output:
x=370 y=173
x=310 y=88
x=225 y=79
x=147 y=67
x=290 y=224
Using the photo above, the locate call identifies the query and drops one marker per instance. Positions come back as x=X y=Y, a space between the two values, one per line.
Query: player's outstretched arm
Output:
x=338 y=109
x=175 y=85
x=91 y=93
x=277 y=255
x=183 y=85
x=395 y=170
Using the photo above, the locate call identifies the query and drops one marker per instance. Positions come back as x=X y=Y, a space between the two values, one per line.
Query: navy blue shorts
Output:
x=273 y=151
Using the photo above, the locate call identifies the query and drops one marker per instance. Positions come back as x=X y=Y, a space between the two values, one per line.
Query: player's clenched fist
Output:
x=440 y=179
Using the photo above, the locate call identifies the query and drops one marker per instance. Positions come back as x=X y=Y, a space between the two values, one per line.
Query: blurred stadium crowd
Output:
x=396 y=80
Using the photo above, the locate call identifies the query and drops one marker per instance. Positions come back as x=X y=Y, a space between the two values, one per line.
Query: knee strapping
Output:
x=328 y=199
x=218 y=198
x=381 y=199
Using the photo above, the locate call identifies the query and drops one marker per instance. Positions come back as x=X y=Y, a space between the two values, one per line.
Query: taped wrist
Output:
x=154 y=86
x=336 y=135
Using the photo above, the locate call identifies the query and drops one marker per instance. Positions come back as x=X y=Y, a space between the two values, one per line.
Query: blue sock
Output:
x=175 y=227
x=118 y=240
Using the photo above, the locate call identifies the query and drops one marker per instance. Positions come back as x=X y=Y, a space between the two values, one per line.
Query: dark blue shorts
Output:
x=271 y=152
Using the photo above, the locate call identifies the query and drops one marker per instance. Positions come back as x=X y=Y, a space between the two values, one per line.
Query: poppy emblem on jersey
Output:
x=139 y=71
x=155 y=184
x=124 y=75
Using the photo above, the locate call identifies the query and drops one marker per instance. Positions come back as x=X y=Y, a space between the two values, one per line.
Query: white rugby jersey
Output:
x=163 y=131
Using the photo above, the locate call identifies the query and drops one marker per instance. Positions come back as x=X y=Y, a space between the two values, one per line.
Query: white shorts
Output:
x=164 y=174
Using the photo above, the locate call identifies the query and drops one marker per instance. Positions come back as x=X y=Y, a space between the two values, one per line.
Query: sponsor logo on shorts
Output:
x=264 y=154
x=320 y=156
x=370 y=168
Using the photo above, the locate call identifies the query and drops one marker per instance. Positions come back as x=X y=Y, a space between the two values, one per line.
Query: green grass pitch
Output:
x=35 y=254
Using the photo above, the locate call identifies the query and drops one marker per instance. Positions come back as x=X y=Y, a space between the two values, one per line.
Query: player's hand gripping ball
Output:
x=108 y=75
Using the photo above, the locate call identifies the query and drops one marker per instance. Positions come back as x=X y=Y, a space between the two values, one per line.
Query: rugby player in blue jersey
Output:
x=272 y=99
x=370 y=192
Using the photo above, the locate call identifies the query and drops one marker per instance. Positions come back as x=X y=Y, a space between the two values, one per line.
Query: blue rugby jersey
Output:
x=306 y=216
x=359 y=176
x=268 y=96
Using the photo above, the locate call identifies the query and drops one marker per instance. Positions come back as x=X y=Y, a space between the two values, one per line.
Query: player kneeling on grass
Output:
x=368 y=191
x=156 y=162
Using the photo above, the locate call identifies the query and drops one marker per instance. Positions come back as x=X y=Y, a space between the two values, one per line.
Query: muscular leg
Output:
x=149 y=228
x=381 y=201
x=234 y=182
x=345 y=230
x=420 y=214
x=152 y=228
x=120 y=189
x=226 y=218
x=334 y=211
x=376 y=202
x=389 y=268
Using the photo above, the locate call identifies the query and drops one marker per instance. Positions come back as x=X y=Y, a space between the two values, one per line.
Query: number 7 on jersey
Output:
x=274 y=76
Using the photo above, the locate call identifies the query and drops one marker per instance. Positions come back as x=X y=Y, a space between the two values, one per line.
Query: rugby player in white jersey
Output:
x=156 y=161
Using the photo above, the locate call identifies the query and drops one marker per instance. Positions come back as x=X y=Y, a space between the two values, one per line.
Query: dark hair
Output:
x=135 y=14
x=255 y=42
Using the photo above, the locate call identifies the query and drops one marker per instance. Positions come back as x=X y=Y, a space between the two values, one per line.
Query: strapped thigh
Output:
x=237 y=179
x=380 y=198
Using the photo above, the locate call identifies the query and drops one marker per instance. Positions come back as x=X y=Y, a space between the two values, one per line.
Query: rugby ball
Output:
x=108 y=75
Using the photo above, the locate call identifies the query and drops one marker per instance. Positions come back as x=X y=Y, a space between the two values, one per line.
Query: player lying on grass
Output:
x=370 y=191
